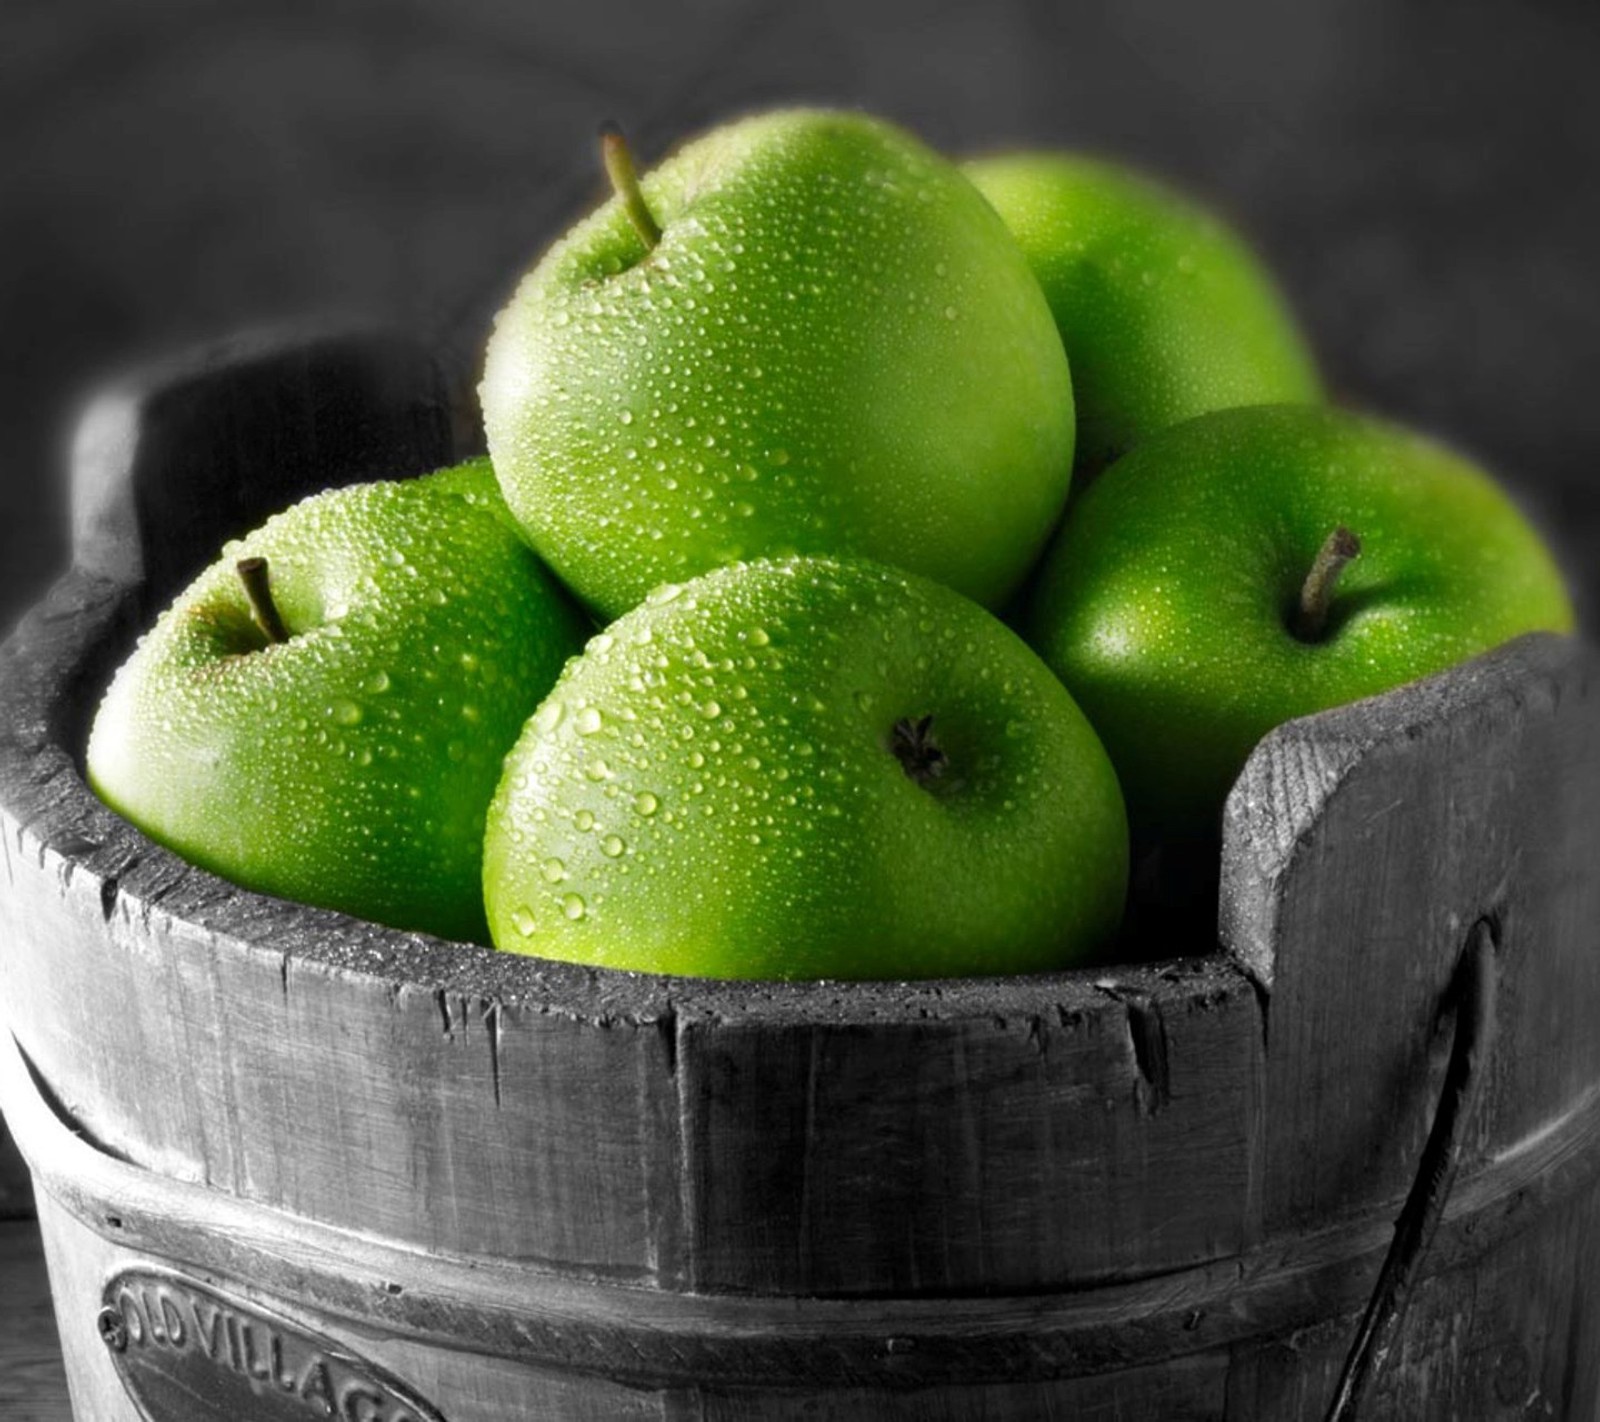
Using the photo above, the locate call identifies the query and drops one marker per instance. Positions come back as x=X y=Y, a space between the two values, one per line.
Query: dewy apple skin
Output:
x=1164 y=311
x=809 y=768
x=1171 y=604
x=346 y=756
x=805 y=332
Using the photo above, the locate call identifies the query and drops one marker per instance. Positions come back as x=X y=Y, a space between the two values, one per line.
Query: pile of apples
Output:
x=780 y=429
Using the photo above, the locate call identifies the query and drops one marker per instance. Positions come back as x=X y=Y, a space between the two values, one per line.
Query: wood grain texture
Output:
x=1361 y=846
x=926 y=1154
x=179 y=457
x=1157 y=1191
x=1498 y=1339
x=434 y=1319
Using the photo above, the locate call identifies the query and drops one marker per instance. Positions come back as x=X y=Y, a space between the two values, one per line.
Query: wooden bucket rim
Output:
x=68 y=644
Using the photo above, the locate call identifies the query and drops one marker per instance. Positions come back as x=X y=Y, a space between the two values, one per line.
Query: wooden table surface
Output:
x=33 y=1382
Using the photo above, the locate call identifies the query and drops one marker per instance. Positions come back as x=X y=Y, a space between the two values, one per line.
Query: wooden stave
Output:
x=364 y=1286
x=138 y=889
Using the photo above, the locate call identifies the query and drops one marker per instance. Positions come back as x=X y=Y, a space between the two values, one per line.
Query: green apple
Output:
x=807 y=768
x=322 y=714
x=803 y=333
x=1258 y=564
x=1164 y=311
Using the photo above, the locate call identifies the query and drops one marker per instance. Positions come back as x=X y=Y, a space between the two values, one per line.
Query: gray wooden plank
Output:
x=33 y=1382
x=1361 y=847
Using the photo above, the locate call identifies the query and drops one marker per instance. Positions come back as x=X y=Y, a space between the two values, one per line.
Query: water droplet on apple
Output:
x=626 y=417
x=574 y=907
x=666 y=592
x=611 y=846
x=588 y=720
x=711 y=710
x=523 y=921
x=645 y=803
x=584 y=820
x=554 y=871
x=548 y=717
x=345 y=711
x=377 y=683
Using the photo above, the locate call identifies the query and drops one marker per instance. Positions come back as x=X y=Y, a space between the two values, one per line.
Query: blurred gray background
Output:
x=1422 y=174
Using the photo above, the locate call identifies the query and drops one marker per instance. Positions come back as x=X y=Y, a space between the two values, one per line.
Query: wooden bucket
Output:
x=291 y=1165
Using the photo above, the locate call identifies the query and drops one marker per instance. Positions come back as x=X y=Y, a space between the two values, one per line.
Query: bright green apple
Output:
x=807 y=768
x=1165 y=312
x=1201 y=590
x=805 y=333
x=335 y=735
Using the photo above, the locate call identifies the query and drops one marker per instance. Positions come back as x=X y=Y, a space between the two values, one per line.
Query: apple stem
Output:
x=919 y=754
x=618 y=160
x=1316 y=594
x=253 y=574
